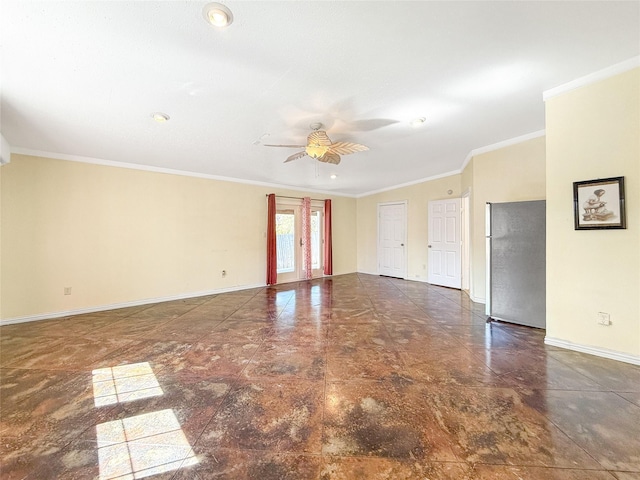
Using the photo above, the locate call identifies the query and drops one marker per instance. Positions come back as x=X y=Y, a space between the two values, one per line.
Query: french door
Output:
x=290 y=244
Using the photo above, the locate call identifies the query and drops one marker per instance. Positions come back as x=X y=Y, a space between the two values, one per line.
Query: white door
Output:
x=445 y=243
x=392 y=239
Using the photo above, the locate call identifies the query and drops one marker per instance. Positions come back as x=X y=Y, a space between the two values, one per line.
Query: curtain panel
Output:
x=328 y=250
x=306 y=239
x=272 y=260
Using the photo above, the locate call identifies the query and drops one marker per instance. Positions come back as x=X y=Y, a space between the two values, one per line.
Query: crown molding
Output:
x=408 y=184
x=594 y=77
x=470 y=155
x=497 y=146
x=5 y=150
x=169 y=171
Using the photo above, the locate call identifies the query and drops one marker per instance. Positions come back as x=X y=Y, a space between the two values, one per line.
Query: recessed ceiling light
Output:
x=217 y=15
x=334 y=176
x=160 y=117
x=417 y=122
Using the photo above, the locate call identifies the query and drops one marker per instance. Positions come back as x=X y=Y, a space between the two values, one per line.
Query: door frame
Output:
x=465 y=224
x=296 y=206
x=404 y=240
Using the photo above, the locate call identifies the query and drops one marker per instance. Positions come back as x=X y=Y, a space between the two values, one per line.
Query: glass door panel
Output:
x=289 y=243
x=286 y=248
x=316 y=242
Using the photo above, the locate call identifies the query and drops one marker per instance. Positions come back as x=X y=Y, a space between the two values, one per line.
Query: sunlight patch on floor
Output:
x=124 y=383
x=141 y=446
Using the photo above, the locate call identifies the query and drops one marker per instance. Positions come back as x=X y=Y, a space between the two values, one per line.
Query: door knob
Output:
x=428 y=246
x=402 y=244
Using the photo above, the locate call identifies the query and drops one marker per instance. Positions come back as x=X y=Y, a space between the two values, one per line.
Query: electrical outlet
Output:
x=604 y=318
x=67 y=290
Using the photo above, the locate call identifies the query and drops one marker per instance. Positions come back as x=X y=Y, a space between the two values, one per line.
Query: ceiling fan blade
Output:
x=345 y=148
x=319 y=137
x=295 y=156
x=287 y=146
x=330 y=157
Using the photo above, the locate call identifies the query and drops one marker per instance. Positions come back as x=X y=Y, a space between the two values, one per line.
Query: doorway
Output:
x=289 y=242
x=392 y=239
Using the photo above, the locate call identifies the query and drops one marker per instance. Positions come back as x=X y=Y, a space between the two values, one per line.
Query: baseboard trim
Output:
x=600 y=352
x=113 y=306
x=477 y=299
x=368 y=273
x=419 y=280
x=147 y=301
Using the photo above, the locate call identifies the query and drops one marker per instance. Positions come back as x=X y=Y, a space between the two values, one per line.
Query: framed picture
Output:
x=599 y=204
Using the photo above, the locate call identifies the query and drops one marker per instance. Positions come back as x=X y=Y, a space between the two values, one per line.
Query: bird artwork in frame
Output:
x=599 y=204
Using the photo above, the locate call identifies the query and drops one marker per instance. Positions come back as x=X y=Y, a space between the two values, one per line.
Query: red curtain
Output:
x=272 y=259
x=328 y=252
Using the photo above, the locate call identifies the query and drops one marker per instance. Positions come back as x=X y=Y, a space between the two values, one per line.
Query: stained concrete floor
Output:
x=350 y=377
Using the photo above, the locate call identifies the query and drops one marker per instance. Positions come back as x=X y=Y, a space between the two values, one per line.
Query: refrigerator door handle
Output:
x=487 y=230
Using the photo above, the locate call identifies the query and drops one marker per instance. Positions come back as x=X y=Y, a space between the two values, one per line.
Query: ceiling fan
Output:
x=320 y=147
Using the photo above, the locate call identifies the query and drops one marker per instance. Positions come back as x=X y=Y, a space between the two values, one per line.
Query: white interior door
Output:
x=392 y=239
x=445 y=243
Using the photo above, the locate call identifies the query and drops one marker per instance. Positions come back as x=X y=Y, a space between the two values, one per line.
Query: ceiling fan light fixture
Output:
x=217 y=15
x=320 y=147
x=417 y=122
x=160 y=117
x=316 y=151
x=333 y=176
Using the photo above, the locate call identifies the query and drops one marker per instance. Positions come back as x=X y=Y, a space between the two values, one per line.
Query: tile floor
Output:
x=353 y=377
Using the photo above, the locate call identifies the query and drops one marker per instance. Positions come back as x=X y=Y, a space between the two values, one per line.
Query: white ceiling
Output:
x=81 y=79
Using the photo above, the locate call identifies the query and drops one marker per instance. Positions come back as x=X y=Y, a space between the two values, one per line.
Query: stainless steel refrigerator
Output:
x=516 y=262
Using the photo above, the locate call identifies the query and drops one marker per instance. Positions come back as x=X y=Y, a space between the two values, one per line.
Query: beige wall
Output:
x=417 y=198
x=511 y=174
x=1 y=241
x=118 y=235
x=594 y=132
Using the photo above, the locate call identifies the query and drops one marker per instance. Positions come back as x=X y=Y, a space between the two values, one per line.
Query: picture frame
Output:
x=599 y=204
